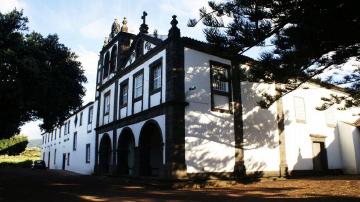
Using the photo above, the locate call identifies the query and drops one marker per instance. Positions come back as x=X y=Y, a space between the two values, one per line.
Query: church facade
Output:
x=173 y=107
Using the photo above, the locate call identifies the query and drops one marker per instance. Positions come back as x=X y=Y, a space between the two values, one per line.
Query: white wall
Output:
x=299 y=152
x=350 y=147
x=64 y=144
x=209 y=135
x=261 y=140
x=122 y=113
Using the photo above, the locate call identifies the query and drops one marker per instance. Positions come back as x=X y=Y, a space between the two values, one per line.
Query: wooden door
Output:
x=319 y=156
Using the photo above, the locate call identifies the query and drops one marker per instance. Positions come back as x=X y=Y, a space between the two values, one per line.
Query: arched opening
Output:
x=106 y=65
x=105 y=154
x=113 y=59
x=150 y=149
x=126 y=152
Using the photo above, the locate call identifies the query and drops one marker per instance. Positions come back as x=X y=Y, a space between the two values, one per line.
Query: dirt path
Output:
x=52 y=186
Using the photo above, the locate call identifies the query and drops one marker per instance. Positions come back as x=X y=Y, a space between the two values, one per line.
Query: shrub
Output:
x=14 y=145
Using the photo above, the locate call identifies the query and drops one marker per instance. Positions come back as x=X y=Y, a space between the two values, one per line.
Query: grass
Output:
x=25 y=159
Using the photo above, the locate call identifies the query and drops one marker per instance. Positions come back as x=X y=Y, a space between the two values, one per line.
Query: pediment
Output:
x=141 y=45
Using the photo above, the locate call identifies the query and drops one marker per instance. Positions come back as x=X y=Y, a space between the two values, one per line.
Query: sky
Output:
x=83 y=24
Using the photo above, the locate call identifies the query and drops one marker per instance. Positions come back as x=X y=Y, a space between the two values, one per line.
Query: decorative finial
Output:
x=124 y=28
x=174 y=31
x=115 y=28
x=144 y=28
x=106 y=40
x=174 y=22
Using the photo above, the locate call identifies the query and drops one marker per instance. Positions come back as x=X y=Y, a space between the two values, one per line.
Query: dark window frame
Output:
x=90 y=115
x=217 y=92
x=108 y=93
x=121 y=101
x=152 y=68
x=60 y=131
x=138 y=73
x=54 y=156
x=75 y=141
x=68 y=159
x=68 y=129
x=81 y=119
x=106 y=65
x=87 y=153
x=113 y=59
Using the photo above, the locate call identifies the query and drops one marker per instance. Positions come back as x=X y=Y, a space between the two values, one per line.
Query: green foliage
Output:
x=40 y=78
x=14 y=145
x=307 y=38
x=24 y=159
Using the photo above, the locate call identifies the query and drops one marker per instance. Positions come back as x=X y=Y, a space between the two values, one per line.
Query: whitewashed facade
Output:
x=174 y=107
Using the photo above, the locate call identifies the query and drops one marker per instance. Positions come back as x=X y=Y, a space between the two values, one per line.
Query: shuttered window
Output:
x=299 y=105
x=330 y=117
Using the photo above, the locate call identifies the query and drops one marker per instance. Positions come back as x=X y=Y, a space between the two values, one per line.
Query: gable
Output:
x=141 y=45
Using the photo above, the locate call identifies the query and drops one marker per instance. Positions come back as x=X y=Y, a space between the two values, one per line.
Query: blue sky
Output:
x=82 y=25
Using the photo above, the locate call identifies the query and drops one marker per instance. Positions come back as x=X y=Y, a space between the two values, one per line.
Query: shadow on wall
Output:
x=322 y=160
x=259 y=125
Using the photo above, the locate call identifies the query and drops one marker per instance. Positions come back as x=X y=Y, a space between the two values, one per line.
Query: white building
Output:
x=174 y=107
x=71 y=146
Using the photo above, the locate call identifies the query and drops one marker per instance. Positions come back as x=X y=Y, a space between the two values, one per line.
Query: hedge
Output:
x=14 y=145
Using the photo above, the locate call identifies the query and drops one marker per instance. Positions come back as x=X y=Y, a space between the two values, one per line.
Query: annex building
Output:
x=173 y=107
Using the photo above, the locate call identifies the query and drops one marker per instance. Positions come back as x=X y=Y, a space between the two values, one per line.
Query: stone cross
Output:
x=143 y=17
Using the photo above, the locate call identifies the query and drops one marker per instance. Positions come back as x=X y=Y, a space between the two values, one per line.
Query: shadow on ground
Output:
x=36 y=185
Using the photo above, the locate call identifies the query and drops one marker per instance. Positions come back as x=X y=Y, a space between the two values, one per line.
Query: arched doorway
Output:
x=126 y=152
x=150 y=149
x=105 y=154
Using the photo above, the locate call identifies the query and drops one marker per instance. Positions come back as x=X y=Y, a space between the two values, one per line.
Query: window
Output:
x=65 y=128
x=107 y=103
x=75 y=141
x=60 y=131
x=220 y=87
x=54 y=156
x=90 y=115
x=81 y=117
x=138 y=85
x=155 y=76
x=75 y=121
x=68 y=159
x=87 y=157
x=124 y=88
x=330 y=117
x=48 y=137
x=106 y=65
x=55 y=134
x=68 y=127
x=43 y=139
x=299 y=105
x=220 y=79
x=52 y=134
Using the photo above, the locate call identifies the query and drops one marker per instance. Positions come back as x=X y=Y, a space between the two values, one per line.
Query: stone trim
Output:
x=175 y=167
x=239 y=168
x=280 y=117
x=317 y=138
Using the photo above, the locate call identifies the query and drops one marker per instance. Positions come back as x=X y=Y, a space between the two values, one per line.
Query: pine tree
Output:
x=307 y=39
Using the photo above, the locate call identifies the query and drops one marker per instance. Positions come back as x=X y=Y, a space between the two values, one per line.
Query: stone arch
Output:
x=126 y=152
x=105 y=154
x=113 y=59
x=151 y=147
x=106 y=64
